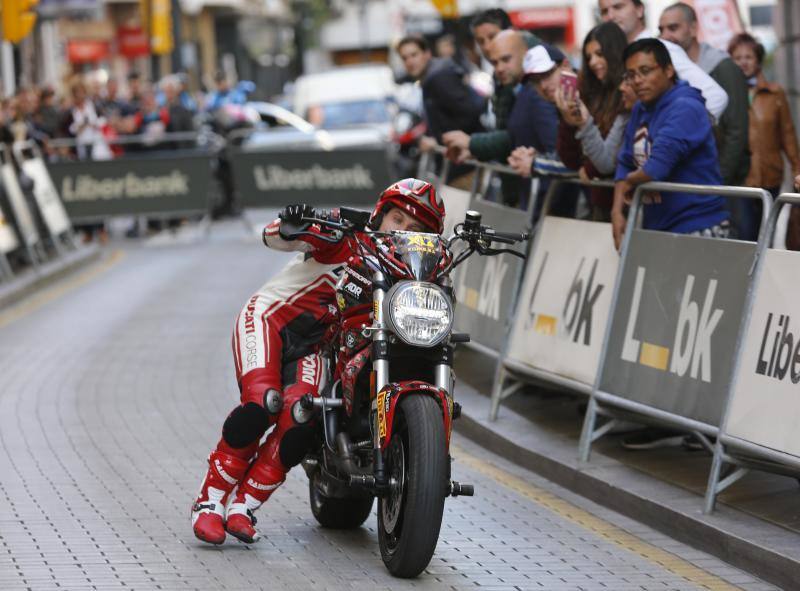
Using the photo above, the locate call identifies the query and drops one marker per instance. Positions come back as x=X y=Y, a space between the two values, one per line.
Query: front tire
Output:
x=410 y=516
x=338 y=513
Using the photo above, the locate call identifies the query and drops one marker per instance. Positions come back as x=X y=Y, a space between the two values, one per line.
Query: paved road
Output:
x=113 y=388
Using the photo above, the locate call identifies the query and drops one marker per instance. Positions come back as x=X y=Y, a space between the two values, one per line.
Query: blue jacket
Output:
x=677 y=145
x=533 y=122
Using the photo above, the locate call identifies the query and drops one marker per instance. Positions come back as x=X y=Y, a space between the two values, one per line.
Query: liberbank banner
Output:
x=674 y=328
x=133 y=185
x=317 y=177
x=565 y=299
x=485 y=285
x=765 y=407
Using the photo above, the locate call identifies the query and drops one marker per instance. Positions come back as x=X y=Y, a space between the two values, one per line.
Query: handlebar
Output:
x=505 y=237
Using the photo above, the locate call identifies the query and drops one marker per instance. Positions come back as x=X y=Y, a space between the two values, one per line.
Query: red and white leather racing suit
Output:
x=275 y=352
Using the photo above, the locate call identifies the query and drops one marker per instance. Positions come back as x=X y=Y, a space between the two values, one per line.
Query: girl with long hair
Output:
x=592 y=121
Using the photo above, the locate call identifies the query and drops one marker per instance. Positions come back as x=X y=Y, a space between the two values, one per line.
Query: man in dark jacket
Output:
x=678 y=24
x=668 y=138
x=448 y=101
x=495 y=145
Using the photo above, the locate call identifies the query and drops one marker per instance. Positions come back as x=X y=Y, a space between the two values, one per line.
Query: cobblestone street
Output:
x=114 y=386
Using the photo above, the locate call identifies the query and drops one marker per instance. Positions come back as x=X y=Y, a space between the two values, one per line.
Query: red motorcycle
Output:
x=384 y=423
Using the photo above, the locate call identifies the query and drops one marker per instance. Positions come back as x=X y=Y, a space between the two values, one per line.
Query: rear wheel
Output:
x=410 y=516
x=338 y=513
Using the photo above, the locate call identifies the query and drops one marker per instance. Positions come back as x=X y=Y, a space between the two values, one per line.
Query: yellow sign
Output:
x=161 y=41
x=18 y=19
x=447 y=8
x=421 y=243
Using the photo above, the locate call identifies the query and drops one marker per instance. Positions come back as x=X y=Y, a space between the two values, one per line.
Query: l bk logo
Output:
x=691 y=347
x=576 y=314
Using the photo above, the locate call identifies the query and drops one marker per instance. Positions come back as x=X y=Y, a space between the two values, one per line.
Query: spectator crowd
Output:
x=95 y=120
x=641 y=108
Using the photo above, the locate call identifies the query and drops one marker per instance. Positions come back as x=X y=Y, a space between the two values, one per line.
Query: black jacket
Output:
x=449 y=102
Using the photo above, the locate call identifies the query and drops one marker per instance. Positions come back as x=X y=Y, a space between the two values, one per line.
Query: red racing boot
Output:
x=208 y=512
x=257 y=486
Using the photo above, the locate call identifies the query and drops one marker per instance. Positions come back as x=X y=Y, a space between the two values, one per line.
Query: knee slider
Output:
x=245 y=425
x=295 y=445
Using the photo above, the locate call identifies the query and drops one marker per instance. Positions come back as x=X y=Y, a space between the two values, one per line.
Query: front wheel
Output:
x=410 y=515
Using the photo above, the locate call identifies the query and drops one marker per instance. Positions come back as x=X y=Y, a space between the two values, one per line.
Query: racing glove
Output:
x=294 y=214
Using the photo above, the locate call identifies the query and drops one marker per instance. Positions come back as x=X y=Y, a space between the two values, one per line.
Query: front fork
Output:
x=380 y=369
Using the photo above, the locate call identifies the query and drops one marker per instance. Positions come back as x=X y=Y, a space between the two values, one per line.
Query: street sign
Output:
x=19 y=16
x=447 y=8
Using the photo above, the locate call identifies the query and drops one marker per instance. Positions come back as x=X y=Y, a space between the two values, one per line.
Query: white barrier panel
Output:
x=8 y=239
x=456 y=204
x=565 y=300
x=53 y=212
x=19 y=205
x=765 y=407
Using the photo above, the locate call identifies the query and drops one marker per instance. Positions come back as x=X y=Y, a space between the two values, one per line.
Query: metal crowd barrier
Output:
x=675 y=327
x=689 y=386
x=33 y=221
x=512 y=366
x=755 y=433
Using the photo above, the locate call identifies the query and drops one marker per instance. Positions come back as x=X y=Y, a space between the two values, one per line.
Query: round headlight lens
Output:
x=420 y=313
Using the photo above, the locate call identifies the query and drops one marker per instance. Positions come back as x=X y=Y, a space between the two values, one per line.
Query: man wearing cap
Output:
x=629 y=15
x=534 y=126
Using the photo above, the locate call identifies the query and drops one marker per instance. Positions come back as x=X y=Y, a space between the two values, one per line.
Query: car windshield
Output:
x=342 y=114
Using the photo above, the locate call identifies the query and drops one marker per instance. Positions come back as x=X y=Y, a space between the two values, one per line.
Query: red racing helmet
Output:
x=415 y=197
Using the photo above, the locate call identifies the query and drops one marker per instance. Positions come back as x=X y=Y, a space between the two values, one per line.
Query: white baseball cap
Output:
x=538 y=60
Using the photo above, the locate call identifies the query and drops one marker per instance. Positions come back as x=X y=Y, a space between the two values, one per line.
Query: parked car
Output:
x=282 y=129
x=363 y=96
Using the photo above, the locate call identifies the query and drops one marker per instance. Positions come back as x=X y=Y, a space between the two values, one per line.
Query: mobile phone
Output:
x=569 y=83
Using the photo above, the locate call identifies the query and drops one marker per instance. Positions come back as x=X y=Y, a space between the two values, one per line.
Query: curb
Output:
x=34 y=279
x=746 y=542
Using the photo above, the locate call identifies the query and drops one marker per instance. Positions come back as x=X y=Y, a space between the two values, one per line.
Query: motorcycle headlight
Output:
x=419 y=313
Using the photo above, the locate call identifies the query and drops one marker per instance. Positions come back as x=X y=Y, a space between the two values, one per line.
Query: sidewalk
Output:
x=32 y=279
x=756 y=526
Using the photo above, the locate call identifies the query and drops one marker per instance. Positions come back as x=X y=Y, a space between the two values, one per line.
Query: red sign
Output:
x=718 y=21
x=546 y=18
x=81 y=51
x=132 y=42
x=540 y=18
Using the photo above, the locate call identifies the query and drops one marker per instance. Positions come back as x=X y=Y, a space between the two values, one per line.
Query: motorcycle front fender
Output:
x=389 y=397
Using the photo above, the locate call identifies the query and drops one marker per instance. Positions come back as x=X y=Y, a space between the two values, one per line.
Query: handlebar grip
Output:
x=505 y=237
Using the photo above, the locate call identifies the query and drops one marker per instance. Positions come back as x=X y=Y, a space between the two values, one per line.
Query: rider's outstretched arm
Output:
x=311 y=241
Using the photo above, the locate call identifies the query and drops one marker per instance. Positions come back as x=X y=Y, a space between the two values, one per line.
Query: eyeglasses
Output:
x=643 y=72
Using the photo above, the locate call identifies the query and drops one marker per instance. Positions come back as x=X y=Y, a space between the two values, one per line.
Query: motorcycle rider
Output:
x=274 y=345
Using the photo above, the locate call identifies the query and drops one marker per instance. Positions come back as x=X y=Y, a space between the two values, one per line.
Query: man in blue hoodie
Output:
x=669 y=138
